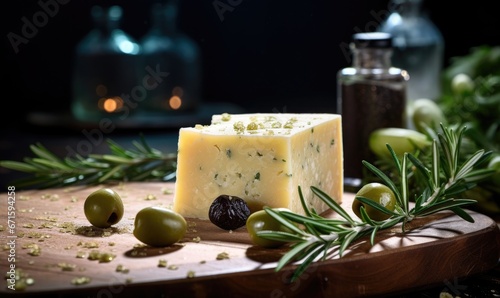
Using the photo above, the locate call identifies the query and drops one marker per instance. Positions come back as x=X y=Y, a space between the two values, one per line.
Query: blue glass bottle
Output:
x=418 y=47
x=105 y=70
x=166 y=49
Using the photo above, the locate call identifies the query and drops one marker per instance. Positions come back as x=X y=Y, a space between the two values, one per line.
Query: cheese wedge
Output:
x=261 y=158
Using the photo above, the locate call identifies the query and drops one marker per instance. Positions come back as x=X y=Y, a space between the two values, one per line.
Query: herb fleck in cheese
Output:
x=261 y=158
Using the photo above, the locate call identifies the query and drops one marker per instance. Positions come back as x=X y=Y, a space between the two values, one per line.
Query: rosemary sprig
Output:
x=319 y=237
x=142 y=163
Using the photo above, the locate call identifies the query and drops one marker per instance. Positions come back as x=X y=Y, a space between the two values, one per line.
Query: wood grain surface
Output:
x=53 y=240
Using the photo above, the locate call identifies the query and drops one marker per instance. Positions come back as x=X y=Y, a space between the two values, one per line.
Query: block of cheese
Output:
x=261 y=158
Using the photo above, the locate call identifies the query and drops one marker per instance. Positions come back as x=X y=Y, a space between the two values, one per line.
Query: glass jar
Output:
x=371 y=94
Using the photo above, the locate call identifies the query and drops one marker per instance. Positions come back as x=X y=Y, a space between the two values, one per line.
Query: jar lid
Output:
x=379 y=40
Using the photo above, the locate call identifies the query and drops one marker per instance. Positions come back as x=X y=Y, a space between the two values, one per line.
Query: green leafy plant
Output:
x=471 y=96
x=316 y=237
x=142 y=163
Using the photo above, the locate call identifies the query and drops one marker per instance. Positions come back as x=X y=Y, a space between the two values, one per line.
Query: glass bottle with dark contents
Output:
x=371 y=95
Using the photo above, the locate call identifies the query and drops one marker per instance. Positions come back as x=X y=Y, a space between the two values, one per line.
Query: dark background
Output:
x=265 y=56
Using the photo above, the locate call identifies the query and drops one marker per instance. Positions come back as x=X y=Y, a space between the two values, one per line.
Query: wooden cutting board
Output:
x=53 y=240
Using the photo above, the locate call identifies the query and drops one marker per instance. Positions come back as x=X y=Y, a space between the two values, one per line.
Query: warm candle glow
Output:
x=175 y=102
x=110 y=104
x=178 y=91
x=101 y=90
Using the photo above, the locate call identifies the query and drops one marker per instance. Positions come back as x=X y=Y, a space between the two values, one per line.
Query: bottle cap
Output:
x=377 y=40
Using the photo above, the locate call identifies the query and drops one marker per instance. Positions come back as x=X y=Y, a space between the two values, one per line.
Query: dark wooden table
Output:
x=479 y=281
x=53 y=242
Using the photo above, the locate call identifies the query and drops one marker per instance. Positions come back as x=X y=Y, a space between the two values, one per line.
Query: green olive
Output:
x=103 y=208
x=260 y=221
x=426 y=113
x=400 y=139
x=495 y=165
x=158 y=226
x=376 y=192
x=462 y=83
